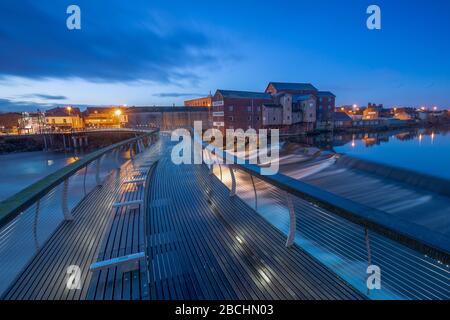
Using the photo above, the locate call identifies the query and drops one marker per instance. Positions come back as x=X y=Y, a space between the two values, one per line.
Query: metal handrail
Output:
x=411 y=235
x=19 y=202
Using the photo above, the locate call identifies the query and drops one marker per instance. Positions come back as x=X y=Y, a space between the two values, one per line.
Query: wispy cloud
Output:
x=44 y=96
x=8 y=105
x=36 y=43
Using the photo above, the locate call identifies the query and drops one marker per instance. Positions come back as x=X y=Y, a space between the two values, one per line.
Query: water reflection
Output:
x=19 y=170
x=422 y=150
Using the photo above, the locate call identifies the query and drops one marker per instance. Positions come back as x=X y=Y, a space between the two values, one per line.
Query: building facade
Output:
x=324 y=103
x=168 y=118
x=290 y=107
x=32 y=122
x=199 y=102
x=9 y=122
x=104 y=117
x=63 y=119
x=239 y=109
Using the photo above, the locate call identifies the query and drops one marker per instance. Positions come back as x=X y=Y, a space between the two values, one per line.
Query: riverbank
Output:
x=61 y=142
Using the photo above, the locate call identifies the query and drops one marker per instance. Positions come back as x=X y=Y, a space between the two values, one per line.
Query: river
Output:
x=424 y=150
x=19 y=170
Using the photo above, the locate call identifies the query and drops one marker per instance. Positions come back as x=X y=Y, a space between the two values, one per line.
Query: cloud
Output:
x=44 y=96
x=118 y=41
x=7 y=105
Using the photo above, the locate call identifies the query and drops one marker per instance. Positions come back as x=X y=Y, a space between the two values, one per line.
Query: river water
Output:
x=425 y=150
x=19 y=170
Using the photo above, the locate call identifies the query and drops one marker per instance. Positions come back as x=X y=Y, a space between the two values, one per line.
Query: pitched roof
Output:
x=62 y=112
x=280 y=86
x=341 y=116
x=325 y=94
x=244 y=94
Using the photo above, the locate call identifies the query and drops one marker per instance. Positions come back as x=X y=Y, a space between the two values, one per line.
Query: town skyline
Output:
x=163 y=54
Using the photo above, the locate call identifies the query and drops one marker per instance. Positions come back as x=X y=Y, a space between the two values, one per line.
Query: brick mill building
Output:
x=290 y=107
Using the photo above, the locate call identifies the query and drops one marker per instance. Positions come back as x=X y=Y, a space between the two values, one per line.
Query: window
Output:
x=249 y=109
x=231 y=118
x=249 y=118
x=230 y=108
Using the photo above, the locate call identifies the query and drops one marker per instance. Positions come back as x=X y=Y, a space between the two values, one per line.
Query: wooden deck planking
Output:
x=192 y=220
x=77 y=242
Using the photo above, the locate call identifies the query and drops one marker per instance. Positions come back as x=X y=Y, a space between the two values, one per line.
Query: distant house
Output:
x=32 y=122
x=9 y=122
x=342 y=120
x=371 y=113
x=110 y=117
x=61 y=119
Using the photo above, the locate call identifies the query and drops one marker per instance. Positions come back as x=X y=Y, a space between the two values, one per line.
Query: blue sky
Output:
x=163 y=52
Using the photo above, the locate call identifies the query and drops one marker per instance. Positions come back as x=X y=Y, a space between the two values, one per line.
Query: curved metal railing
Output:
x=346 y=236
x=12 y=206
x=31 y=216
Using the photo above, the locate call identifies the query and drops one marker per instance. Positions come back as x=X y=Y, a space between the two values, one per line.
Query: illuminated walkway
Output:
x=202 y=244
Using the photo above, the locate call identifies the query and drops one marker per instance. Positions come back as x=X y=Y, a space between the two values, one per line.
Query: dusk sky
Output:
x=145 y=52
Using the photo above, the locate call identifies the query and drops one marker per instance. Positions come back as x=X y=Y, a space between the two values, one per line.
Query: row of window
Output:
x=231 y=118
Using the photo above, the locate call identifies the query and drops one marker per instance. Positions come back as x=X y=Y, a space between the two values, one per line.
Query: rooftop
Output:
x=280 y=86
x=63 y=112
x=341 y=116
x=325 y=94
x=244 y=94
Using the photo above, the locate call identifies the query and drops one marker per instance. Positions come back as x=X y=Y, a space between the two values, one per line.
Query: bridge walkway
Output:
x=202 y=244
x=97 y=232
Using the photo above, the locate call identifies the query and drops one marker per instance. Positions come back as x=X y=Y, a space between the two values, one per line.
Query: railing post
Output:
x=292 y=220
x=254 y=190
x=84 y=179
x=35 y=223
x=233 y=182
x=369 y=253
x=117 y=158
x=97 y=172
x=131 y=151
x=65 y=207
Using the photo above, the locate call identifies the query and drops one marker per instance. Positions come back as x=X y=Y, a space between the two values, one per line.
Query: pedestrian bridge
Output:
x=126 y=223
